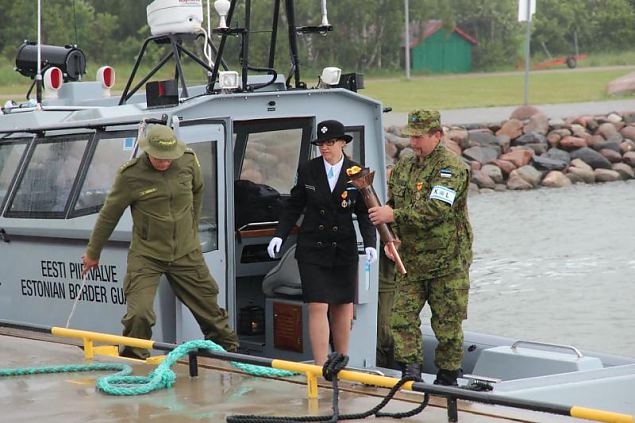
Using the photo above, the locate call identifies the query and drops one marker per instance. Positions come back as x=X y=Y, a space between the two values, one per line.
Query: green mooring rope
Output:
x=122 y=383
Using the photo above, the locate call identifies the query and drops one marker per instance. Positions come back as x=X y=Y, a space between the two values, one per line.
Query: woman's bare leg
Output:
x=319 y=331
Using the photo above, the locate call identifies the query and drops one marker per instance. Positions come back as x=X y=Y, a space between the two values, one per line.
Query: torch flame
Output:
x=353 y=170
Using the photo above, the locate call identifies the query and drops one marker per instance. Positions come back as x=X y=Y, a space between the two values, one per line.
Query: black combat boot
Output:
x=447 y=377
x=412 y=370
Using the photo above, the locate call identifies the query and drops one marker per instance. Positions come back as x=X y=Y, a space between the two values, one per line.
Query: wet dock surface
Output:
x=216 y=393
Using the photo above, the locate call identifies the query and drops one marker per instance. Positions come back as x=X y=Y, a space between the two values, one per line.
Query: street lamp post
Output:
x=407 y=38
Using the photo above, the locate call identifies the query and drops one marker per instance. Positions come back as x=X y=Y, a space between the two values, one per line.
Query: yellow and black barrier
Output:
x=312 y=371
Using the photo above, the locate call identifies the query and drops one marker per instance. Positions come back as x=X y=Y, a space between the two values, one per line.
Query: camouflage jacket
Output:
x=429 y=198
x=165 y=208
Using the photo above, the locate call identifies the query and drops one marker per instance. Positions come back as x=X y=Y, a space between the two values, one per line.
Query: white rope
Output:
x=79 y=294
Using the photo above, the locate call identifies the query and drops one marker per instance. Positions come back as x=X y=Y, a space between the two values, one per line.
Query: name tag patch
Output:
x=444 y=194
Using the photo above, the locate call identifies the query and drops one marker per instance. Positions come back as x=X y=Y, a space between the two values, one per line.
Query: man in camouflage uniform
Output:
x=387 y=288
x=428 y=208
x=164 y=189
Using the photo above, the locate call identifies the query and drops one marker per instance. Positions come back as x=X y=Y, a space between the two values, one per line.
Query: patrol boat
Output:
x=59 y=154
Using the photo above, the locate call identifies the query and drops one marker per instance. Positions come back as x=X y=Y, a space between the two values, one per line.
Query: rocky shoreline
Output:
x=529 y=150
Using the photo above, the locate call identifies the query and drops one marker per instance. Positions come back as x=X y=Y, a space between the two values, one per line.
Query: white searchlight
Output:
x=330 y=76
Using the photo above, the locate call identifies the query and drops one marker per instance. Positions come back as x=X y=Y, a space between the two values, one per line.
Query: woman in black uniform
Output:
x=327 y=246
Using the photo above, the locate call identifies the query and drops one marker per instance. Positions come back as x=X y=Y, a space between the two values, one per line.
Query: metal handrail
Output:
x=547 y=344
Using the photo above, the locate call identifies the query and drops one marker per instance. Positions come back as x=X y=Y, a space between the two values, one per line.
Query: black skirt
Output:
x=331 y=285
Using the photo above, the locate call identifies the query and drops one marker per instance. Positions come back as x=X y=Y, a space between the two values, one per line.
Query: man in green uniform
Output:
x=164 y=189
x=428 y=208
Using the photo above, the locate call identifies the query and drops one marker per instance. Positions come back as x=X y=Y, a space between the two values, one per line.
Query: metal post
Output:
x=527 y=46
x=38 y=77
x=407 y=38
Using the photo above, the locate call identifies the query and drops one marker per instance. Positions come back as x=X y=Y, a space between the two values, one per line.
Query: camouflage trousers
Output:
x=387 y=288
x=447 y=297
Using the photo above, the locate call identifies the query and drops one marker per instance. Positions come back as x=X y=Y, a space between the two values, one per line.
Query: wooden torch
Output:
x=362 y=179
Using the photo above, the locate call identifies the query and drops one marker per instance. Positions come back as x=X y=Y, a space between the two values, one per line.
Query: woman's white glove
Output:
x=274 y=246
x=371 y=254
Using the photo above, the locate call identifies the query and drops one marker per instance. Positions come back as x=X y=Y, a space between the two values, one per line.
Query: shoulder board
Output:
x=128 y=164
x=190 y=151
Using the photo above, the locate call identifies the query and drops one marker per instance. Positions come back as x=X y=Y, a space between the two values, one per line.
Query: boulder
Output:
x=529 y=174
x=530 y=138
x=400 y=142
x=625 y=171
x=557 y=123
x=578 y=174
x=592 y=158
x=553 y=138
x=606 y=130
x=505 y=166
x=556 y=179
x=538 y=123
x=513 y=128
x=628 y=132
x=524 y=112
x=518 y=157
x=481 y=179
x=494 y=172
x=482 y=137
x=545 y=163
x=473 y=189
x=459 y=136
x=516 y=182
x=557 y=154
x=612 y=155
x=452 y=146
x=481 y=154
x=570 y=143
x=606 y=175
x=627 y=146
x=629 y=158
x=580 y=164
x=504 y=142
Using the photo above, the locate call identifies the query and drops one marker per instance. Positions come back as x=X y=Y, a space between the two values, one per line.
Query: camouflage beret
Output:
x=420 y=122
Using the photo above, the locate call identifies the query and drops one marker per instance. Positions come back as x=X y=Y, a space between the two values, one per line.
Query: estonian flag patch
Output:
x=445 y=173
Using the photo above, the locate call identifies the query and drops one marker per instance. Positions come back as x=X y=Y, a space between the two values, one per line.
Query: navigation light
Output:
x=222 y=8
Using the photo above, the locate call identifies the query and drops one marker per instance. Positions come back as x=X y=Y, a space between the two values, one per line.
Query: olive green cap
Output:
x=160 y=142
x=420 y=122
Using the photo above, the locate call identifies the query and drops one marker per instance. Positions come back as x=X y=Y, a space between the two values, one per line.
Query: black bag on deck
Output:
x=255 y=203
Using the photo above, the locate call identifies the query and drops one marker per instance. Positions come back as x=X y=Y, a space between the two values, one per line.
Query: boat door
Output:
x=208 y=139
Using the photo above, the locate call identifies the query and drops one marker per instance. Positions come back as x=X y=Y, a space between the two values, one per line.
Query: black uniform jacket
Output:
x=327 y=235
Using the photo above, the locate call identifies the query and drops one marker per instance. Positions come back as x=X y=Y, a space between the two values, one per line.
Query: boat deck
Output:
x=216 y=393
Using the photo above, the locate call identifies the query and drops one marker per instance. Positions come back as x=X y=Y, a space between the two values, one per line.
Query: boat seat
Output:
x=284 y=278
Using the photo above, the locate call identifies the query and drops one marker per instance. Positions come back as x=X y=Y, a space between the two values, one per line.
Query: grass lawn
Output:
x=441 y=92
x=485 y=90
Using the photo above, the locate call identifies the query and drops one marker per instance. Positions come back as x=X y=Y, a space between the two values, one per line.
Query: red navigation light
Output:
x=106 y=75
x=53 y=78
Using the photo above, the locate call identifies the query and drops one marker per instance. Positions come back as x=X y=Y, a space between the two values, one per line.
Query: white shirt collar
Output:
x=336 y=167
